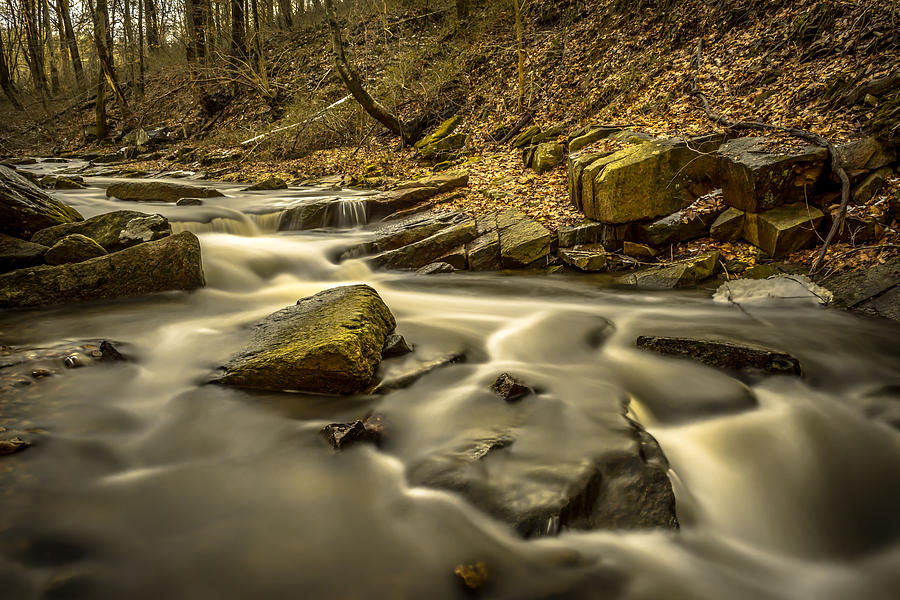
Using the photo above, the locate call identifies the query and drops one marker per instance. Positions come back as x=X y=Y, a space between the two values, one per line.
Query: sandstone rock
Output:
x=189 y=202
x=272 y=183
x=577 y=163
x=645 y=181
x=25 y=208
x=73 y=248
x=551 y=134
x=172 y=263
x=19 y=254
x=445 y=147
x=865 y=154
x=158 y=191
x=387 y=203
x=638 y=250
x=427 y=250
x=728 y=226
x=484 y=251
x=435 y=268
x=724 y=355
x=328 y=343
x=444 y=182
x=522 y=241
x=547 y=157
x=681 y=273
x=755 y=179
x=589 y=137
x=871 y=185
x=782 y=230
x=585 y=258
x=108 y=229
x=405 y=232
x=509 y=388
x=674 y=228
x=427 y=144
x=525 y=137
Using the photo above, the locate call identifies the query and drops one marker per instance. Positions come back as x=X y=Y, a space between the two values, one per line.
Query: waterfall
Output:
x=348 y=213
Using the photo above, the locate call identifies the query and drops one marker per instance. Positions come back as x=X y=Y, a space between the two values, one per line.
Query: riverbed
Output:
x=147 y=482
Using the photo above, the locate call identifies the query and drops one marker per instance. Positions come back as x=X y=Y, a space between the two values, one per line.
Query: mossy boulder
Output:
x=327 y=343
x=522 y=240
x=682 y=273
x=443 y=142
x=728 y=226
x=589 y=136
x=547 y=157
x=525 y=137
x=172 y=263
x=73 y=248
x=26 y=209
x=645 y=181
x=783 y=230
x=272 y=183
x=159 y=191
x=444 y=129
x=113 y=230
x=755 y=178
x=19 y=254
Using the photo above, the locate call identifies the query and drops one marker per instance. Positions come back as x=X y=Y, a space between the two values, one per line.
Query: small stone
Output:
x=73 y=248
x=638 y=250
x=591 y=258
x=272 y=183
x=472 y=576
x=435 y=268
x=74 y=361
x=12 y=446
x=509 y=388
x=41 y=373
x=189 y=202
x=395 y=345
x=369 y=430
x=144 y=229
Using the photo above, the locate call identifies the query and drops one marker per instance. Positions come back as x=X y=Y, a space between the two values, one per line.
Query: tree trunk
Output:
x=34 y=48
x=258 y=47
x=520 y=47
x=129 y=40
x=51 y=47
x=287 y=19
x=62 y=6
x=100 y=106
x=140 y=34
x=8 y=88
x=152 y=26
x=462 y=9
x=375 y=109
x=103 y=42
x=238 y=31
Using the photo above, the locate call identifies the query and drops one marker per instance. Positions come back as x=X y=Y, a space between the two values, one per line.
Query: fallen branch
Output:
x=836 y=167
x=315 y=117
x=525 y=120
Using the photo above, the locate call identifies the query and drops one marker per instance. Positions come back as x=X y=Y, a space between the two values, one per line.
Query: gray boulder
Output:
x=405 y=232
x=724 y=354
x=728 y=226
x=865 y=154
x=869 y=187
x=674 y=228
x=327 y=343
x=687 y=272
x=172 y=263
x=755 y=179
x=422 y=252
x=272 y=183
x=435 y=268
x=73 y=248
x=114 y=230
x=26 y=209
x=159 y=191
x=19 y=254
x=585 y=258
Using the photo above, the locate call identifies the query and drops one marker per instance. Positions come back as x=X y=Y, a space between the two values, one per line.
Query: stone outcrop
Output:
x=728 y=226
x=590 y=258
x=522 y=241
x=428 y=250
x=674 y=228
x=172 y=263
x=272 y=183
x=114 y=230
x=26 y=209
x=19 y=254
x=643 y=181
x=443 y=141
x=682 y=273
x=73 y=248
x=782 y=230
x=159 y=191
x=755 y=179
x=327 y=343
x=589 y=135
x=411 y=193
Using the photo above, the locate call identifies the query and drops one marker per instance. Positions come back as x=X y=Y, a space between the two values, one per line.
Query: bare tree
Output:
x=34 y=47
x=51 y=45
x=103 y=43
x=351 y=79
x=152 y=25
x=5 y=82
x=71 y=44
x=238 y=31
x=520 y=50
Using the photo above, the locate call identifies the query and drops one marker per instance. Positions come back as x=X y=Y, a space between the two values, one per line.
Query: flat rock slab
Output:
x=681 y=273
x=327 y=343
x=107 y=230
x=172 y=263
x=724 y=355
x=25 y=208
x=159 y=191
x=781 y=287
x=522 y=240
x=428 y=250
x=855 y=287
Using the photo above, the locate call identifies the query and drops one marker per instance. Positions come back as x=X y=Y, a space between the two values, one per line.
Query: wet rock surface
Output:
x=510 y=388
x=724 y=355
x=73 y=248
x=369 y=429
x=329 y=343
x=113 y=230
x=26 y=209
x=25 y=365
x=172 y=263
x=19 y=254
x=159 y=191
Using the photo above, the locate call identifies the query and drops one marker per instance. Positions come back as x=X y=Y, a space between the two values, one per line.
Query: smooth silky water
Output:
x=150 y=483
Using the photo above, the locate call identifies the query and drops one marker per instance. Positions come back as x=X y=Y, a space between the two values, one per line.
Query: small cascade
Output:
x=348 y=213
x=267 y=222
x=233 y=221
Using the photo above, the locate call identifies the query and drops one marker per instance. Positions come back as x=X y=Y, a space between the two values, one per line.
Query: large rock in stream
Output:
x=25 y=208
x=328 y=343
x=172 y=263
x=159 y=191
x=113 y=230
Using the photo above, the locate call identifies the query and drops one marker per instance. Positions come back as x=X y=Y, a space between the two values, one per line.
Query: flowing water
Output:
x=148 y=483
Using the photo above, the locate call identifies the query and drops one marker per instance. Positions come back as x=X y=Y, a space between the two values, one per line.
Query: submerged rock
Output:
x=724 y=355
x=509 y=388
x=409 y=374
x=159 y=191
x=113 y=230
x=73 y=248
x=23 y=365
x=26 y=209
x=13 y=445
x=329 y=343
x=395 y=345
x=780 y=287
x=19 y=254
x=172 y=263
x=370 y=429
x=272 y=183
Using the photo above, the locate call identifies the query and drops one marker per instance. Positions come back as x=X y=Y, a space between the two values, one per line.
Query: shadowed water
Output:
x=148 y=483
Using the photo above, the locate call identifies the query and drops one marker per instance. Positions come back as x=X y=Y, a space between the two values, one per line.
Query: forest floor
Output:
x=785 y=63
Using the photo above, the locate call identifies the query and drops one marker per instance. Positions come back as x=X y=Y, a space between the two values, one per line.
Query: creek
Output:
x=148 y=483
